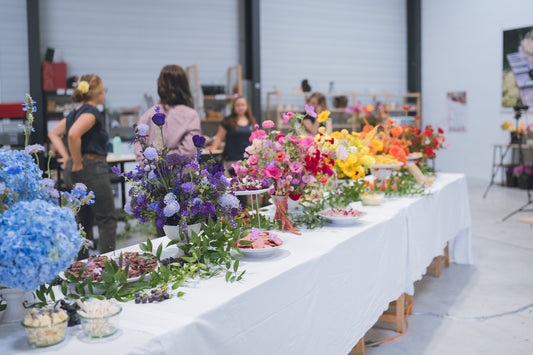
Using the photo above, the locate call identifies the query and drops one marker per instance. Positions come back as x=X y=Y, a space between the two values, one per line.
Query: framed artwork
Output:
x=517 y=83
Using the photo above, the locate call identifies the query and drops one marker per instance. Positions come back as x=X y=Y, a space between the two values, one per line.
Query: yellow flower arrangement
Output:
x=83 y=86
x=352 y=155
x=508 y=126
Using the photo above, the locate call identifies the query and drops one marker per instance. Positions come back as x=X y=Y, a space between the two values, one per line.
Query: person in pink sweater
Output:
x=182 y=121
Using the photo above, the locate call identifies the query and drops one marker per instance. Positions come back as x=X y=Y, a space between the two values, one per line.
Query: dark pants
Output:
x=95 y=175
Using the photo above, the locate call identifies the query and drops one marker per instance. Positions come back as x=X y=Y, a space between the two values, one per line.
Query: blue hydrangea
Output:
x=142 y=129
x=229 y=201
x=150 y=153
x=171 y=209
x=170 y=197
x=16 y=170
x=39 y=240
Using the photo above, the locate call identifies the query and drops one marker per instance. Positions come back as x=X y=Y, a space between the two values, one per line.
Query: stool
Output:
x=397 y=317
x=436 y=264
x=359 y=348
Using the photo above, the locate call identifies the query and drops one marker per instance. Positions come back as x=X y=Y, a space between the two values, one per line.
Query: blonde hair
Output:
x=96 y=85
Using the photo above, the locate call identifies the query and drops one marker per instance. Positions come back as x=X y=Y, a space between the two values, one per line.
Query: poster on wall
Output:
x=517 y=81
x=456 y=115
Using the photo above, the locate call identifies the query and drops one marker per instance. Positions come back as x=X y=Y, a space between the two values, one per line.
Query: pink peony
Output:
x=273 y=173
x=307 y=142
x=239 y=169
x=253 y=160
x=259 y=134
x=296 y=167
x=294 y=139
x=286 y=118
x=268 y=124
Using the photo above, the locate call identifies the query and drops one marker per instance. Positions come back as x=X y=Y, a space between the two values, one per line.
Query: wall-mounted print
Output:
x=517 y=82
x=456 y=111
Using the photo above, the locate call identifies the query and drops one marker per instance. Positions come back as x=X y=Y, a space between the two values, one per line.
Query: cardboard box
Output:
x=128 y=120
x=54 y=76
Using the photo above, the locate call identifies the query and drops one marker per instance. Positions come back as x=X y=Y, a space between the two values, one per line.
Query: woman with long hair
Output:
x=182 y=121
x=311 y=124
x=85 y=160
x=236 y=129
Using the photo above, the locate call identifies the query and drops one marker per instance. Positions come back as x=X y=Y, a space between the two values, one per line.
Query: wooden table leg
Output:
x=359 y=348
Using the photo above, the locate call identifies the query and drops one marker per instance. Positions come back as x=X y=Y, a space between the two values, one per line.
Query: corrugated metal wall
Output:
x=14 y=70
x=127 y=42
x=358 y=44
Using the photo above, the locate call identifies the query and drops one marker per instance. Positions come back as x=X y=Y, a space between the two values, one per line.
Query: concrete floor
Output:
x=500 y=281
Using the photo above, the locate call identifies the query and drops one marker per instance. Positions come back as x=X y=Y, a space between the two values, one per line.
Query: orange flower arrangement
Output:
x=389 y=142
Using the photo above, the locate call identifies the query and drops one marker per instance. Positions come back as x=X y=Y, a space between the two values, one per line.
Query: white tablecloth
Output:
x=318 y=295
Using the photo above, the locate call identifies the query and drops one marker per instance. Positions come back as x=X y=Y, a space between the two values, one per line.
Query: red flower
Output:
x=294 y=197
x=441 y=131
x=428 y=151
x=407 y=108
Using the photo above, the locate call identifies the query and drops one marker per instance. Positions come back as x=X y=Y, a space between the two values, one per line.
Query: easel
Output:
x=518 y=114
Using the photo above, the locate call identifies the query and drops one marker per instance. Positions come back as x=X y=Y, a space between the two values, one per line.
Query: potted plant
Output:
x=524 y=175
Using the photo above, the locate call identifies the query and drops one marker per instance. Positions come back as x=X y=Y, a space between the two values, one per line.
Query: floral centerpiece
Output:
x=293 y=161
x=39 y=234
x=518 y=132
x=171 y=189
x=427 y=141
x=368 y=114
x=389 y=141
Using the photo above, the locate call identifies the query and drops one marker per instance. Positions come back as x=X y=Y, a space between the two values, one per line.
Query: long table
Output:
x=319 y=294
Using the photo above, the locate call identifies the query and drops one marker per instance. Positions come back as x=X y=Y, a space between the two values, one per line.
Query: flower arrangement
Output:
x=172 y=189
x=294 y=161
x=511 y=128
x=427 y=141
x=40 y=236
x=389 y=141
x=368 y=114
x=352 y=155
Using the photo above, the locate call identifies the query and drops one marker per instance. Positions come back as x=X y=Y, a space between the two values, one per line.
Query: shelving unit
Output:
x=214 y=104
x=57 y=104
x=277 y=104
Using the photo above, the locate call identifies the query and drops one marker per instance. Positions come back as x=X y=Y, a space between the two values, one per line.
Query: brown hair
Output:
x=173 y=86
x=96 y=85
x=232 y=119
x=321 y=100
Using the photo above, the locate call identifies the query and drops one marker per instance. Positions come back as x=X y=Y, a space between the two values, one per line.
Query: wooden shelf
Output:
x=274 y=105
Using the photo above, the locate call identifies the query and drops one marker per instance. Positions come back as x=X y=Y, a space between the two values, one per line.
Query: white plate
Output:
x=386 y=166
x=341 y=220
x=251 y=192
x=262 y=253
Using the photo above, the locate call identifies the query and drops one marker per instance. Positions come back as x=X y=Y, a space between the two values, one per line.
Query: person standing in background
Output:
x=182 y=121
x=311 y=124
x=86 y=163
x=236 y=129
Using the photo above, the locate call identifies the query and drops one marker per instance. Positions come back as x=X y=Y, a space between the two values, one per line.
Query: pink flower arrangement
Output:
x=293 y=161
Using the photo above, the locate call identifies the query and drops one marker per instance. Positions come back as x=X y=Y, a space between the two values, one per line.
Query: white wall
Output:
x=462 y=51
x=14 y=67
x=360 y=45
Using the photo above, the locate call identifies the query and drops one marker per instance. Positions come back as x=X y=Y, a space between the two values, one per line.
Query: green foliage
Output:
x=346 y=192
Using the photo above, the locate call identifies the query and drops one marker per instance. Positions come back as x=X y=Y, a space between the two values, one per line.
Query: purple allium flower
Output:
x=229 y=201
x=150 y=153
x=34 y=148
x=188 y=187
x=198 y=141
x=142 y=129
